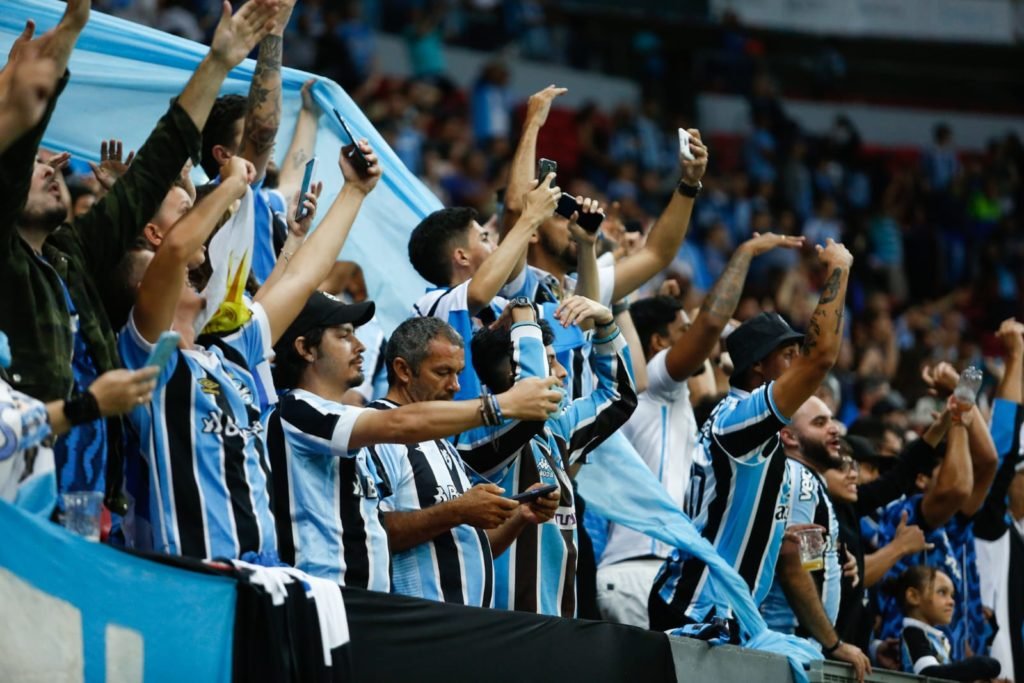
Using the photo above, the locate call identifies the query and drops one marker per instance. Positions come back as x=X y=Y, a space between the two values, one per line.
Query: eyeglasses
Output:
x=849 y=465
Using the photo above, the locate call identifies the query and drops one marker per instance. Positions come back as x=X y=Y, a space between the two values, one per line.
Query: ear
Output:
x=789 y=439
x=153 y=234
x=658 y=342
x=221 y=154
x=460 y=256
x=403 y=373
x=912 y=597
x=305 y=353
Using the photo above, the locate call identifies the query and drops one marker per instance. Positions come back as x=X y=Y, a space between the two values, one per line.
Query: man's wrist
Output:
x=831 y=650
x=689 y=189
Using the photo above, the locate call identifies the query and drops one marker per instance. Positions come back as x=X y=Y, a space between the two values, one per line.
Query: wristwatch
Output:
x=688 y=190
x=520 y=302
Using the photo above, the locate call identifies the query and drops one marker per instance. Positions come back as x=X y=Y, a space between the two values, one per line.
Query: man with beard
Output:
x=53 y=308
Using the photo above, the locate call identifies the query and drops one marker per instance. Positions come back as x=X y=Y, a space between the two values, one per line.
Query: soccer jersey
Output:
x=452 y=306
x=326 y=495
x=922 y=646
x=663 y=430
x=538 y=571
x=738 y=499
x=456 y=566
x=203 y=444
x=264 y=256
x=27 y=477
x=809 y=504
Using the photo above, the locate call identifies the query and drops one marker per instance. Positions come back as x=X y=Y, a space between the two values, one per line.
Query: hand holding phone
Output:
x=163 y=349
x=356 y=155
x=533 y=494
x=684 y=145
x=544 y=167
x=307 y=179
x=567 y=206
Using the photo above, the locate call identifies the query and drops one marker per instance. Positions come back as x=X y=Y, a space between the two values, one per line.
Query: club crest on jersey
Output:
x=209 y=386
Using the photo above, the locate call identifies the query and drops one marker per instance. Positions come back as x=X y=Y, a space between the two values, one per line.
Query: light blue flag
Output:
x=618 y=486
x=123 y=75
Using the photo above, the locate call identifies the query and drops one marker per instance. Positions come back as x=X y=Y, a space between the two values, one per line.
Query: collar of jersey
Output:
x=927 y=628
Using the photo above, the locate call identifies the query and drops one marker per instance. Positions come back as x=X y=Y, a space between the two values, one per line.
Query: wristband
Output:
x=610 y=337
x=82 y=408
x=619 y=308
x=687 y=190
x=496 y=410
x=829 y=650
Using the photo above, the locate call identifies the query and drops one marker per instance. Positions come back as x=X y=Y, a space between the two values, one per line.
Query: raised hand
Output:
x=27 y=83
x=540 y=202
x=484 y=507
x=760 y=244
x=308 y=103
x=960 y=412
x=300 y=228
x=531 y=399
x=237 y=168
x=111 y=167
x=119 y=391
x=1011 y=334
x=575 y=309
x=58 y=162
x=237 y=34
x=587 y=206
x=910 y=538
x=362 y=179
x=539 y=105
x=940 y=378
x=693 y=171
x=834 y=254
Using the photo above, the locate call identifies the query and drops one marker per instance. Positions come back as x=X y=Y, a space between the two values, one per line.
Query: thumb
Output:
x=903 y=520
x=929 y=546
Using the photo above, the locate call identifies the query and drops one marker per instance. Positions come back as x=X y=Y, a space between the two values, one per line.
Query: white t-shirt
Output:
x=663 y=430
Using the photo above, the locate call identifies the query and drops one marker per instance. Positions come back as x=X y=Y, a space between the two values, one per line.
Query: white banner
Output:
x=972 y=21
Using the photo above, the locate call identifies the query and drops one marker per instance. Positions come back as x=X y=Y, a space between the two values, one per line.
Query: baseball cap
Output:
x=861 y=450
x=324 y=310
x=756 y=338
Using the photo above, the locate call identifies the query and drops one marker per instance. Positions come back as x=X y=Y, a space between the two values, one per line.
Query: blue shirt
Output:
x=325 y=494
x=264 y=255
x=738 y=498
x=203 y=444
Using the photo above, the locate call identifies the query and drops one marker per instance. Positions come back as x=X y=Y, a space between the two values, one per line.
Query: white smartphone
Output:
x=166 y=345
x=684 y=145
x=307 y=180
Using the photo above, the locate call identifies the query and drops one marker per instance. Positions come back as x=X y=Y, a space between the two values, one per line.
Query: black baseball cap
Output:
x=756 y=338
x=861 y=450
x=324 y=310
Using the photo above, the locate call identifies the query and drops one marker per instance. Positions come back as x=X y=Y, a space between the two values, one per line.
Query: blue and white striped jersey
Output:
x=738 y=499
x=809 y=504
x=456 y=566
x=203 y=444
x=538 y=571
x=921 y=646
x=326 y=495
x=452 y=306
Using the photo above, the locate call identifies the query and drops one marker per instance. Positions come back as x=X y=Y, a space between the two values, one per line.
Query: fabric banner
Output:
x=230 y=257
x=124 y=74
x=80 y=611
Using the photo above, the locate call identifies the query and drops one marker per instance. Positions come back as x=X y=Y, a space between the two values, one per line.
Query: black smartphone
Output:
x=634 y=226
x=545 y=166
x=534 y=494
x=356 y=155
x=567 y=205
x=307 y=180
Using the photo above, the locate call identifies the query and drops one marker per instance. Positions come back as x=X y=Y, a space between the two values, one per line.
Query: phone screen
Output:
x=356 y=155
x=307 y=179
x=544 y=167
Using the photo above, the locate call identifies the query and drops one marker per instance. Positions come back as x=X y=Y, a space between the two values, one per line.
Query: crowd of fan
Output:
x=285 y=427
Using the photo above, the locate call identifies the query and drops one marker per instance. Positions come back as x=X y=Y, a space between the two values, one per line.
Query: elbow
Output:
x=951 y=498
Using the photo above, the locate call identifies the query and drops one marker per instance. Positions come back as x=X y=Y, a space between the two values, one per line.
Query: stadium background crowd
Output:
x=935 y=234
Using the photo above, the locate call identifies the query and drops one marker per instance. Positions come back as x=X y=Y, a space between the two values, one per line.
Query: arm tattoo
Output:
x=264 y=106
x=725 y=295
x=813 y=331
x=831 y=290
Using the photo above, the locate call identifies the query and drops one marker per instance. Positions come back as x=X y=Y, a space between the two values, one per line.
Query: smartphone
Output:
x=307 y=180
x=545 y=166
x=356 y=155
x=684 y=145
x=634 y=226
x=163 y=350
x=567 y=205
x=534 y=494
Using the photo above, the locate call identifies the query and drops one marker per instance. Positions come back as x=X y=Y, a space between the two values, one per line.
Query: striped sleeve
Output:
x=591 y=419
x=745 y=427
x=23 y=422
x=318 y=429
x=489 y=449
x=918 y=649
x=395 y=469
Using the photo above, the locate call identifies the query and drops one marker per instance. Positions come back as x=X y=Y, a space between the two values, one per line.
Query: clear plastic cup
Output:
x=82 y=511
x=812 y=549
x=967 y=388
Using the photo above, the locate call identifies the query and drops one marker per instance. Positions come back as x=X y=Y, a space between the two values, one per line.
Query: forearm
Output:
x=322 y=247
x=588 y=282
x=263 y=111
x=407 y=530
x=505 y=535
x=59 y=424
x=953 y=484
x=202 y=89
x=825 y=329
x=497 y=268
x=878 y=563
x=1010 y=385
x=636 y=351
x=299 y=152
x=803 y=599
x=520 y=178
x=291 y=246
x=984 y=463
x=662 y=245
x=195 y=228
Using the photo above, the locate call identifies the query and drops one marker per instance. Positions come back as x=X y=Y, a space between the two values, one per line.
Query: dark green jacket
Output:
x=33 y=312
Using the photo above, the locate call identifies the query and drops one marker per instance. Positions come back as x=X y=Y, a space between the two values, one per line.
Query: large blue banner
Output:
x=80 y=611
x=122 y=77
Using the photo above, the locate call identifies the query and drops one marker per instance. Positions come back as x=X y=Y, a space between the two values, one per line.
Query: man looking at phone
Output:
x=443 y=532
x=452 y=251
x=738 y=495
x=313 y=435
x=663 y=429
x=539 y=573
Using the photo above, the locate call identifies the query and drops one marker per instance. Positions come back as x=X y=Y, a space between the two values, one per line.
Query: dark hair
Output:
x=411 y=342
x=288 y=364
x=919 y=576
x=491 y=348
x=652 y=316
x=220 y=128
x=431 y=242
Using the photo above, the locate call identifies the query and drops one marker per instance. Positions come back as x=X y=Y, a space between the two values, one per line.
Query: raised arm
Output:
x=1011 y=386
x=303 y=144
x=955 y=480
x=161 y=287
x=498 y=268
x=27 y=82
x=693 y=347
x=263 y=111
x=310 y=264
x=669 y=230
x=824 y=335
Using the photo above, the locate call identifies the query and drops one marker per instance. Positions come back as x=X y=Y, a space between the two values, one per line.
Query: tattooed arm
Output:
x=263 y=112
x=824 y=335
x=691 y=350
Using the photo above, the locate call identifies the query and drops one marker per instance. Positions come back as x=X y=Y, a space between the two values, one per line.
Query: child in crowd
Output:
x=925 y=595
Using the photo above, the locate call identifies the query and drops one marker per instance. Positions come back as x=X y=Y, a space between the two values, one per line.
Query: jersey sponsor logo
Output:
x=443 y=494
x=565 y=518
x=782 y=512
x=225 y=425
x=807 y=485
x=209 y=386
